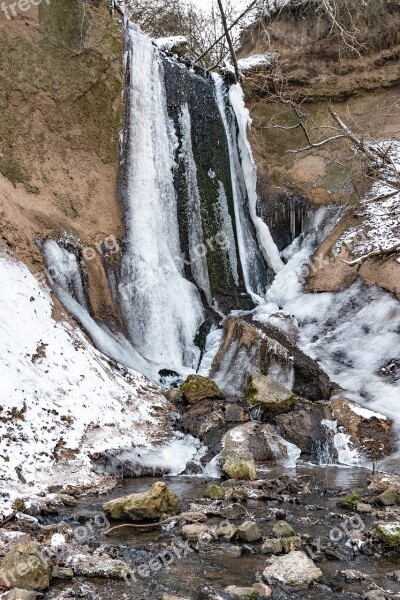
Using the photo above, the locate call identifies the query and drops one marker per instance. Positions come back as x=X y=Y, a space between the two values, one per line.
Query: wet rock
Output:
x=388 y=533
x=282 y=529
x=389 y=497
x=249 y=531
x=62 y=572
x=206 y=420
x=17 y=594
x=396 y=576
x=291 y=543
x=381 y=482
x=263 y=591
x=237 y=494
x=363 y=508
x=227 y=531
x=351 y=575
x=272 y=547
x=232 y=550
x=167 y=597
x=195 y=532
x=295 y=569
x=25 y=566
x=193 y=517
x=95 y=566
x=241 y=593
x=304 y=427
x=153 y=504
x=215 y=492
x=197 y=387
x=193 y=468
x=351 y=500
x=238 y=464
x=259 y=442
x=268 y=396
x=370 y=432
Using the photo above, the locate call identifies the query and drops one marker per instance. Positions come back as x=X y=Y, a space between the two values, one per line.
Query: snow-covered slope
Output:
x=59 y=397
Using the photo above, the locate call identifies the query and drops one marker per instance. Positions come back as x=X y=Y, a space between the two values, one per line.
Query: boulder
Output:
x=363 y=508
x=95 y=566
x=206 y=420
x=241 y=593
x=195 y=532
x=238 y=465
x=389 y=497
x=197 y=387
x=215 y=492
x=236 y=413
x=293 y=569
x=153 y=504
x=251 y=346
x=375 y=595
x=370 y=432
x=263 y=591
x=291 y=543
x=281 y=529
x=248 y=531
x=17 y=594
x=272 y=547
x=62 y=572
x=269 y=397
x=227 y=531
x=26 y=567
x=304 y=426
x=388 y=533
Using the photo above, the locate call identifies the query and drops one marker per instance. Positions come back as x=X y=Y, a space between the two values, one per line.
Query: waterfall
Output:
x=161 y=308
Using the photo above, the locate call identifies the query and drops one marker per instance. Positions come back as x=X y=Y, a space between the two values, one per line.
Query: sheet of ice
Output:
x=162 y=309
x=213 y=344
x=366 y=414
x=62 y=394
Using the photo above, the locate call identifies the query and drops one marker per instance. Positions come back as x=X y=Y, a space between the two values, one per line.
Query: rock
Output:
x=235 y=413
x=193 y=517
x=294 y=569
x=231 y=550
x=168 y=597
x=206 y=420
x=263 y=591
x=271 y=547
x=237 y=494
x=396 y=576
x=291 y=543
x=351 y=499
x=215 y=492
x=268 y=396
x=363 y=508
x=282 y=529
x=304 y=427
x=258 y=442
x=388 y=533
x=249 y=347
x=370 y=432
x=26 y=567
x=381 y=482
x=238 y=465
x=227 y=531
x=248 y=531
x=375 y=595
x=95 y=566
x=351 y=575
x=197 y=387
x=242 y=593
x=17 y=594
x=62 y=572
x=389 y=497
x=153 y=504
x=195 y=532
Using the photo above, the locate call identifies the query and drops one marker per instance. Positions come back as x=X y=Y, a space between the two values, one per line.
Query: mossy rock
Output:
x=282 y=529
x=269 y=396
x=291 y=543
x=389 y=497
x=351 y=500
x=215 y=492
x=238 y=465
x=241 y=593
x=197 y=387
x=388 y=533
x=227 y=531
x=26 y=567
x=153 y=504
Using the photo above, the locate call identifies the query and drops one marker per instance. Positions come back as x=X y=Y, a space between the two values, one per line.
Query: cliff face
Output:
x=61 y=87
x=306 y=67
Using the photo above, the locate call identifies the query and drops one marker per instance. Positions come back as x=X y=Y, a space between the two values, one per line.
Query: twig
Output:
x=381 y=252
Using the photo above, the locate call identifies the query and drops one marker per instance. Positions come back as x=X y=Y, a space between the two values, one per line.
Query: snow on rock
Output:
x=169 y=44
x=380 y=210
x=60 y=399
x=257 y=62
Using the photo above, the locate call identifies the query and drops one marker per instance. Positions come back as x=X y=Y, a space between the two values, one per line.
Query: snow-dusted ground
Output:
x=257 y=62
x=59 y=397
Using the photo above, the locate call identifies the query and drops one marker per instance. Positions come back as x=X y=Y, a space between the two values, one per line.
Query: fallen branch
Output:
x=147 y=526
x=8 y=519
x=358 y=262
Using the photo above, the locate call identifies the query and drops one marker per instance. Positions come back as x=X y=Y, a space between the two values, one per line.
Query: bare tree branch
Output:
x=358 y=262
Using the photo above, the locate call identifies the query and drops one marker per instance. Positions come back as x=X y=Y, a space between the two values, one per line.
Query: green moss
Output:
x=215 y=492
x=11 y=169
x=353 y=498
x=239 y=465
x=66 y=204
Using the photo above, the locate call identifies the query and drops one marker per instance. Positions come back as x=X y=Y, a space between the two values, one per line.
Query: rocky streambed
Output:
x=313 y=533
